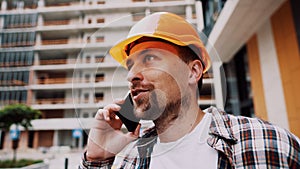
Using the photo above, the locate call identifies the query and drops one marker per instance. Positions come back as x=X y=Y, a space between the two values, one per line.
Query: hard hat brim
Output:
x=118 y=51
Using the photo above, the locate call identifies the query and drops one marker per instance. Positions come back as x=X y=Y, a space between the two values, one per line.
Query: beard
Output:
x=159 y=108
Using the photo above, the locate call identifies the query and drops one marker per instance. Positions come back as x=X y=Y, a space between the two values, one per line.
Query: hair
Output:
x=186 y=53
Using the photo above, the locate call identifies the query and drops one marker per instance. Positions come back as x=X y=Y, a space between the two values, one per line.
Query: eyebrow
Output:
x=144 y=51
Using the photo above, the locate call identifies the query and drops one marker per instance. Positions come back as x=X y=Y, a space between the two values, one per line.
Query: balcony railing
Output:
x=66 y=80
x=65 y=100
x=14 y=64
x=59 y=4
x=67 y=61
x=12 y=83
x=99 y=79
x=98 y=99
x=6 y=102
x=55 y=42
x=52 y=101
x=57 y=22
x=23 y=25
x=17 y=44
x=53 y=62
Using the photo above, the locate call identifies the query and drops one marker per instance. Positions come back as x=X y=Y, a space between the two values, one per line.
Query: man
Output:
x=166 y=61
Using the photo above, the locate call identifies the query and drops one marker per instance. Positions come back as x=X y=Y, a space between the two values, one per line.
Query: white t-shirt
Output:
x=189 y=152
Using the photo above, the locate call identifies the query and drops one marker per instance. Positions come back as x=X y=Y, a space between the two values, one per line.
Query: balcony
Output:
x=7 y=102
x=55 y=42
x=66 y=103
x=57 y=61
x=67 y=61
x=59 y=4
x=231 y=24
x=56 y=22
x=53 y=101
x=62 y=123
x=17 y=44
x=66 y=80
x=14 y=64
x=12 y=83
x=23 y=25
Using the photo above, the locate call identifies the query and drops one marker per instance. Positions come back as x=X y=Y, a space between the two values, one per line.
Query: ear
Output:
x=196 y=71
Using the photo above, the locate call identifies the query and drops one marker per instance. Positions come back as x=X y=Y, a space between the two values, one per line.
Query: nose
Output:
x=135 y=74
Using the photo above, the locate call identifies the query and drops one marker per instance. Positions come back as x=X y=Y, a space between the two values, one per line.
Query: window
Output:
x=88 y=39
x=20 y=21
x=239 y=98
x=85 y=115
x=86 y=98
x=100 y=20
x=99 y=97
x=18 y=39
x=87 y=59
x=16 y=78
x=99 y=59
x=99 y=77
x=101 y=2
x=100 y=39
x=10 y=97
x=87 y=78
x=296 y=16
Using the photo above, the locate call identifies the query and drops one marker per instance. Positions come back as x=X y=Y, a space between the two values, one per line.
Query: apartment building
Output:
x=53 y=57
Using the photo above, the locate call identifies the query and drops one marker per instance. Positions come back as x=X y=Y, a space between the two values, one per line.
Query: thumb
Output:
x=135 y=134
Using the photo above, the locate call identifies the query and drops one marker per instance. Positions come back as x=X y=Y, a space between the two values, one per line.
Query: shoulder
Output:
x=257 y=135
x=254 y=129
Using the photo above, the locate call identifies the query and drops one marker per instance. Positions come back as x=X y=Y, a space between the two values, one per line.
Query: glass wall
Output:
x=11 y=97
x=15 y=59
x=239 y=94
x=211 y=12
x=20 y=21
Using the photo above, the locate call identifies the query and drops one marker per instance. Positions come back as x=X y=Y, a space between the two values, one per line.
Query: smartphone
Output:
x=126 y=114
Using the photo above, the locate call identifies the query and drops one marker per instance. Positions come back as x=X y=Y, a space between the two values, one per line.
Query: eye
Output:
x=129 y=64
x=149 y=58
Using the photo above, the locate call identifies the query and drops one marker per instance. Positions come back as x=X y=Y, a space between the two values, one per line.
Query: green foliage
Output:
x=19 y=163
x=18 y=114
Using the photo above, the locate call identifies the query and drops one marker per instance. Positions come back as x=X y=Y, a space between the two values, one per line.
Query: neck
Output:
x=177 y=124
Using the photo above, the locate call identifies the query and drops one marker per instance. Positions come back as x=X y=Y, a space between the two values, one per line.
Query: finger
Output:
x=107 y=111
x=137 y=130
x=112 y=107
x=106 y=115
x=119 y=101
x=99 y=115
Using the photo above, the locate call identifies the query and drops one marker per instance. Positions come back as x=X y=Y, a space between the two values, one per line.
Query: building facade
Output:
x=258 y=42
x=53 y=57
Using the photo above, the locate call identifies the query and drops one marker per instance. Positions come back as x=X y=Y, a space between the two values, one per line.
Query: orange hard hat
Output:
x=166 y=26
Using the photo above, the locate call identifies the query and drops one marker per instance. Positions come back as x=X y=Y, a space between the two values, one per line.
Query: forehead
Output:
x=144 y=46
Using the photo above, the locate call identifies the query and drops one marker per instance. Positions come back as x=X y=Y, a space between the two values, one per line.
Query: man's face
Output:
x=158 y=78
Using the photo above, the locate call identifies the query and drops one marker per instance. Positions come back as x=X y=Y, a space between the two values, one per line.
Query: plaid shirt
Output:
x=241 y=143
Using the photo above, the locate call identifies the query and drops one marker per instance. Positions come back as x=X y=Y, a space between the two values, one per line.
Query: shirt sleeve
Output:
x=103 y=164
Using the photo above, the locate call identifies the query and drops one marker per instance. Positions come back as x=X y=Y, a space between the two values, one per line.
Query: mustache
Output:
x=139 y=85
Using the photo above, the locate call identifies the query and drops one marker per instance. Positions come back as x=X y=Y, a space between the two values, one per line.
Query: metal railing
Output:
x=67 y=61
x=66 y=80
x=57 y=22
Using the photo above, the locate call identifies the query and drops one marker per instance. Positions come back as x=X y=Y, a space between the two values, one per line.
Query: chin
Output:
x=149 y=113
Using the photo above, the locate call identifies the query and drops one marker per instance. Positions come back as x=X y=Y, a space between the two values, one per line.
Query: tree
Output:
x=19 y=115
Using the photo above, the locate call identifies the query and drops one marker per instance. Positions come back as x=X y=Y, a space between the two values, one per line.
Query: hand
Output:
x=105 y=138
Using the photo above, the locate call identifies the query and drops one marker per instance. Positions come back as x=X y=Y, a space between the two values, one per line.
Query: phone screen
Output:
x=126 y=114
